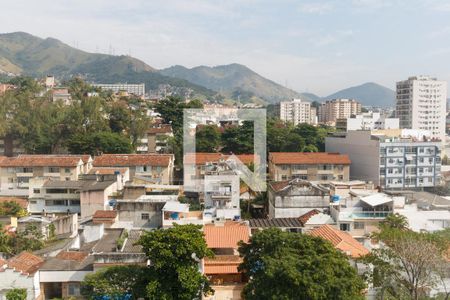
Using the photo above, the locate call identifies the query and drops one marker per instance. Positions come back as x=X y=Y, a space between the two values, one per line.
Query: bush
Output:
x=16 y=294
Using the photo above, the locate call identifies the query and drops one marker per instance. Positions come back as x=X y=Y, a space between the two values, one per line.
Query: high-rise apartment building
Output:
x=296 y=111
x=137 y=89
x=421 y=104
x=334 y=109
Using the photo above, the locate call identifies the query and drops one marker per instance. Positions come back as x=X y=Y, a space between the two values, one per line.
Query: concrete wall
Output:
x=363 y=152
x=10 y=279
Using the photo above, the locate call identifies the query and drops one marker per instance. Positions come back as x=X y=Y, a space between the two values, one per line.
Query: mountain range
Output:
x=23 y=53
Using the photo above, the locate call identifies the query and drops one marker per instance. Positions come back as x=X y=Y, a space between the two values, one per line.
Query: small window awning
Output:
x=376 y=199
x=175 y=206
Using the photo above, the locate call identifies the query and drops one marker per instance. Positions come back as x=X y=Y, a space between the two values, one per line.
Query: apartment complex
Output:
x=156 y=168
x=367 y=121
x=334 y=109
x=137 y=89
x=309 y=166
x=396 y=159
x=155 y=140
x=296 y=111
x=421 y=104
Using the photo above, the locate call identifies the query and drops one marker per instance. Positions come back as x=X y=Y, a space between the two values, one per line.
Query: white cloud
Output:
x=316 y=8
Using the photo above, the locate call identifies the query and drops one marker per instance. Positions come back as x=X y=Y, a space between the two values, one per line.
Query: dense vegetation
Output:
x=173 y=273
x=285 y=265
x=411 y=263
x=87 y=125
x=30 y=239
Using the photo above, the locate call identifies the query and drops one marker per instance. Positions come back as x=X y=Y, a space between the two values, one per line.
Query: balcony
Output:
x=371 y=214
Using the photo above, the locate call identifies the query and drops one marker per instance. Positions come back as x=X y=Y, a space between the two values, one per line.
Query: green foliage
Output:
x=171 y=110
x=175 y=254
x=88 y=124
x=408 y=263
x=238 y=139
x=51 y=231
x=30 y=239
x=16 y=294
x=99 y=142
x=117 y=281
x=284 y=265
x=207 y=138
x=10 y=208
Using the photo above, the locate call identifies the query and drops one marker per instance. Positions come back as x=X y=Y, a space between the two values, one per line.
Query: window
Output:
x=358 y=225
x=284 y=167
x=36 y=191
x=73 y=289
x=67 y=170
x=283 y=177
x=53 y=169
x=341 y=177
x=145 y=216
x=33 y=202
x=344 y=227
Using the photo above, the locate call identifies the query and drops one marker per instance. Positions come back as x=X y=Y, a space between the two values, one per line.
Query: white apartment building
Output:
x=296 y=111
x=334 y=109
x=367 y=121
x=421 y=104
x=392 y=161
x=137 y=89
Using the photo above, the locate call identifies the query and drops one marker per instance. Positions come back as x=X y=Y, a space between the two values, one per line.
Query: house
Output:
x=62 y=225
x=155 y=140
x=361 y=214
x=155 y=167
x=145 y=211
x=221 y=197
x=61 y=94
x=124 y=173
x=293 y=198
x=84 y=196
x=426 y=219
x=222 y=270
x=106 y=217
x=341 y=240
x=312 y=166
x=16 y=172
x=96 y=247
x=175 y=212
x=21 y=271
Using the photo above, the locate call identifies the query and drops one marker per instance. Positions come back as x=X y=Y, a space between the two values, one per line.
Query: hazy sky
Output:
x=316 y=46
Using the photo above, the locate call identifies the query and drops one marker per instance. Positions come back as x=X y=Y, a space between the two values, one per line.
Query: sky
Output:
x=309 y=46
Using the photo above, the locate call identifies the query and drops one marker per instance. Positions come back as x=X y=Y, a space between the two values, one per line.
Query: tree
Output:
x=171 y=110
x=99 y=142
x=408 y=263
x=175 y=254
x=238 y=139
x=284 y=265
x=116 y=281
x=396 y=220
x=207 y=138
x=16 y=294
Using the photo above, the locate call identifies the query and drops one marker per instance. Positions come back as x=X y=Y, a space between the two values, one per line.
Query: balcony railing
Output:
x=370 y=214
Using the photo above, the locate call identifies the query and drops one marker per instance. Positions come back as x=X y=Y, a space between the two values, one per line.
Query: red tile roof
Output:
x=107 y=170
x=341 y=240
x=279 y=185
x=308 y=158
x=127 y=160
x=25 y=160
x=105 y=214
x=21 y=201
x=72 y=255
x=305 y=217
x=164 y=128
x=202 y=158
x=226 y=235
x=25 y=262
x=222 y=264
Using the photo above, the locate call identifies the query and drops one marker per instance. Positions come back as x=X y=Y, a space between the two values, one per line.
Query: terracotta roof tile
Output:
x=226 y=235
x=26 y=160
x=25 y=262
x=164 y=128
x=128 y=160
x=222 y=264
x=341 y=240
x=279 y=185
x=308 y=158
x=304 y=218
x=72 y=255
x=202 y=158
x=275 y=222
x=105 y=214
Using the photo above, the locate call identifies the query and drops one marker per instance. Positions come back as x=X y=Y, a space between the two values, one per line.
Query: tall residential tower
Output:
x=421 y=104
